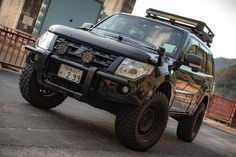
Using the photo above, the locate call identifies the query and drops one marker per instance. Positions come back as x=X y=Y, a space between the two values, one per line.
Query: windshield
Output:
x=150 y=33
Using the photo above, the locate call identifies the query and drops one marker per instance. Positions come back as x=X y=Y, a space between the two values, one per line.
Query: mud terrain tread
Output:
x=186 y=124
x=126 y=124
x=29 y=89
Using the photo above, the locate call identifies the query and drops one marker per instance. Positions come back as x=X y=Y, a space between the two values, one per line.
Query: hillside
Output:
x=226 y=82
x=221 y=63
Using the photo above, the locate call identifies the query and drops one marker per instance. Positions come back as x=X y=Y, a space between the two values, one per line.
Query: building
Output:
x=36 y=16
x=113 y=6
x=10 y=11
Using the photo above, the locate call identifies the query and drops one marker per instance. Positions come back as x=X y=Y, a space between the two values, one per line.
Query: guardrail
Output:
x=12 y=47
x=221 y=109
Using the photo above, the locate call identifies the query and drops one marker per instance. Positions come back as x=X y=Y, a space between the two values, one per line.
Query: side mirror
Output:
x=193 y=60
x=86 y=26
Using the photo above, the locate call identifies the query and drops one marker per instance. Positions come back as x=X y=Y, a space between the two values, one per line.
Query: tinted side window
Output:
x=202 y=54
x=209 y=61
x=194 y=49
x=209 y=64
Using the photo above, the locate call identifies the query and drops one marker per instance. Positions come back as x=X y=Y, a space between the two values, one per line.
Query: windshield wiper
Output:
x=144 y=45
x=120 y=37
x=140 y=44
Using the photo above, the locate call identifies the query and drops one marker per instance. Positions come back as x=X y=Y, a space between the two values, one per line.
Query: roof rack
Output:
x=199 y=28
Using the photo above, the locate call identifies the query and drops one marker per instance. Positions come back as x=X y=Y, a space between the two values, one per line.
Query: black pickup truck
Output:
x=142 y=69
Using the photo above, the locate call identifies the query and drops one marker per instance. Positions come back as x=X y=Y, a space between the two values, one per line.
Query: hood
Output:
x=115 y=46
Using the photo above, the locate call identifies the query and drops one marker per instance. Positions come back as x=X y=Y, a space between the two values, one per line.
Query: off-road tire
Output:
x=188 y=127
x=31 y=90
x=128 y=124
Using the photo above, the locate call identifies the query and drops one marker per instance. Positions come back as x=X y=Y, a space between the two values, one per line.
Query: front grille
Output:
x=102 y=58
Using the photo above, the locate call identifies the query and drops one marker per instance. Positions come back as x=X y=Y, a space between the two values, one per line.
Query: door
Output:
x=188 y=85
x=72 y=13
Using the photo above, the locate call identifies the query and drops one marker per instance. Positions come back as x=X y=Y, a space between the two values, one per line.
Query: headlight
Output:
x=133 y=69
x=45 y=40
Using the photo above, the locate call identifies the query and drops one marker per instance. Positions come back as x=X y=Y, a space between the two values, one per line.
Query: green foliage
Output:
x=222 y=63
x=226 y=82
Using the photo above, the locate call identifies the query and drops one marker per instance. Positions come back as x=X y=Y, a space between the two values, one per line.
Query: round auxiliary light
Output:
x=125 y=89
x=62 y=48
x=34 y=57
x=87 y=56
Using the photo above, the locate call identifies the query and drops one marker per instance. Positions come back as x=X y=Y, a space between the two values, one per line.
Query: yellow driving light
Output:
x=62 y=47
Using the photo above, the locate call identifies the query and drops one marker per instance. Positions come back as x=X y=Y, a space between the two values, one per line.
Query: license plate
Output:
x=70 y=73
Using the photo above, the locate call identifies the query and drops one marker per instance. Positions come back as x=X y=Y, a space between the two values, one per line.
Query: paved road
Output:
x=76 y=129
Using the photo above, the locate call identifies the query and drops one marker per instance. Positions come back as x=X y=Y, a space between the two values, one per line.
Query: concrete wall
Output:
x=113 y=6
x=10 y=12
x=128 y=6
x=29 y=15
x=13 y=12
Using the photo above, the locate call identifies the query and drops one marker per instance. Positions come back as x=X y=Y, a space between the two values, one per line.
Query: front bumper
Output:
x=95 y=83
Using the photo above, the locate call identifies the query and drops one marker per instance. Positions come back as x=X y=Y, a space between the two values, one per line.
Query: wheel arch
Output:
x=205 y=100
x=167 y=89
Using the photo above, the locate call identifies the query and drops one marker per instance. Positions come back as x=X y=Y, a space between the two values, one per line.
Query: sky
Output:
x=219 y=15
